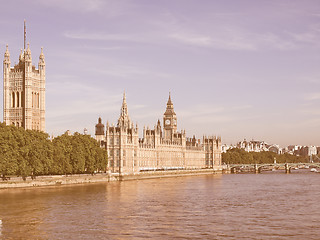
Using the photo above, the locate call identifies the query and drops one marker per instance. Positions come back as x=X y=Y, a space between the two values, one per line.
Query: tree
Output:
x=31 y=153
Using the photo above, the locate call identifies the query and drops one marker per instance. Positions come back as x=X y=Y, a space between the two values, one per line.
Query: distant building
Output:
x=312 y=150
x=159 y=149
x=275 y=148
x=24 y=91
x=302 y=150
x=226 y=147
x=252 y=146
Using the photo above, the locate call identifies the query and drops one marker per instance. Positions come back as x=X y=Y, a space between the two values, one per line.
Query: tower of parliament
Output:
x=24 y=90
x=160 y=148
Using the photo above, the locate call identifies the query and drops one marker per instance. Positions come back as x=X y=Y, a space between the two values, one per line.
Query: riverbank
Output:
x=57 y=180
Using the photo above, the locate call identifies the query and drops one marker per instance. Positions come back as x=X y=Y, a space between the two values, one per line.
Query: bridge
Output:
x=258 y=168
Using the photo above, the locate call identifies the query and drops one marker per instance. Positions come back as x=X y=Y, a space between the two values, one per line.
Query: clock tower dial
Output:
x=168 y=122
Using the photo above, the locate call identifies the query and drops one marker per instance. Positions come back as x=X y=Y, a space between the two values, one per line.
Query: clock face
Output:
x=167 y=122
x=174 y=122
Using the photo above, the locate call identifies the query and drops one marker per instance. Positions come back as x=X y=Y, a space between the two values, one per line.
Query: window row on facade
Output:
x=35 y=100
x=17 y=124
x=16 y=99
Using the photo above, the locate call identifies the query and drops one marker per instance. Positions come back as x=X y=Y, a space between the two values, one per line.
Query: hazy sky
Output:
x=235 y=68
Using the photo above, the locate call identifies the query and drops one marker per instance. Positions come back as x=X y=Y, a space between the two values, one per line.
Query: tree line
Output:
x=240 y=156
x=31 y=153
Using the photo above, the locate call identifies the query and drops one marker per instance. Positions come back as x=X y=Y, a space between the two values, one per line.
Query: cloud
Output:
x=108 y=8
x=309 y=79
x=100 y=36
x=75 y=5
x=217 y=114
x=242 y=107
x=233 y=43
x=313 y=96
x=227 y=38
x=93 y=99
x=224 y=38
x=310 y=36
x=130 y=72
x=274 y=41
x=193 y=39
x=102 y=48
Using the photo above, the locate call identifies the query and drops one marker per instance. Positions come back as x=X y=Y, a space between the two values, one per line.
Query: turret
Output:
x=6 y=64
x=42 y=72
x=21 y=56
x=6 y=93
x=28 y=58
x=7 y=57
x=124 y=119
x=99 y=133
x=42 y=63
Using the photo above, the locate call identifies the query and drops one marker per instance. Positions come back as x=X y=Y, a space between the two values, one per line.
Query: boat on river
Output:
x=313 y=170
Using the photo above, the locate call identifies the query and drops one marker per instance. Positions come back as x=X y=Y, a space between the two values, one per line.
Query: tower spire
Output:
x=124 y=119
x=169 y=109
x=124 y=98
x=169 y=100
x=24 y=35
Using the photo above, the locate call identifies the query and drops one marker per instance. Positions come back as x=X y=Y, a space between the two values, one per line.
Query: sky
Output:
x=239 y=69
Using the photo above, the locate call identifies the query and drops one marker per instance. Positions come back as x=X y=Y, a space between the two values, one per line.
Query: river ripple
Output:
x=232 y=206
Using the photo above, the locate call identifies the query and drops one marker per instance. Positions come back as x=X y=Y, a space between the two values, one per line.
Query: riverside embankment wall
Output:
x=56 y=180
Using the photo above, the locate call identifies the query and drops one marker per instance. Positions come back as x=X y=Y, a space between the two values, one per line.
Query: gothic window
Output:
x=32 y=98
x=37 y=97
x=18 y=100
x=13 y=100
x=17 y=124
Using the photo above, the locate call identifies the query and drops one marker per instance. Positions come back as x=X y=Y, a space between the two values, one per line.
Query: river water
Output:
x=230 y=206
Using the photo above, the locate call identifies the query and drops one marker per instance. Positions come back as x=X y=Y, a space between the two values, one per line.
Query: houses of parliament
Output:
x=24 y=90
x=160 y=148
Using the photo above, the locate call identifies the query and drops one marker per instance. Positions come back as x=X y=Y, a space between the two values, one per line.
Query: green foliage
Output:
x=78 y=154
x=240 y=156
x=31 y=153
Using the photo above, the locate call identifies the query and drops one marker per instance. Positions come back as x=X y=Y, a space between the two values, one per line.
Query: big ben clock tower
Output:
x=169 y=120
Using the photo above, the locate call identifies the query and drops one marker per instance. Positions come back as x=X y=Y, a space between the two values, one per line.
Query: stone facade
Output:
x=159 y=149
x=24 y=91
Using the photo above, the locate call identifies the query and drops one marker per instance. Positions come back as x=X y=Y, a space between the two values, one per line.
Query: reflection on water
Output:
x=241 y=206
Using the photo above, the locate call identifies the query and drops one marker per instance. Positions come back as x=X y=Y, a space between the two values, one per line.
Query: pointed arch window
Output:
x=18 y=99
x=13 y=100
x=38 y=100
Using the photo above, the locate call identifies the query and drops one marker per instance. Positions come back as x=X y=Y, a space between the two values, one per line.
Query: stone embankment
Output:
x=57 y=180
